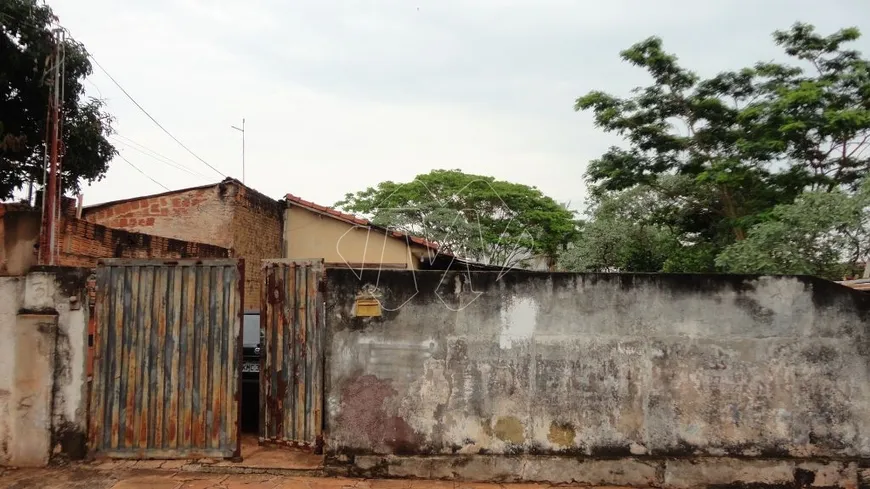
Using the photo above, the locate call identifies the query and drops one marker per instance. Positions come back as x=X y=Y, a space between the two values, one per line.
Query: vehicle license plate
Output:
x=251 y=367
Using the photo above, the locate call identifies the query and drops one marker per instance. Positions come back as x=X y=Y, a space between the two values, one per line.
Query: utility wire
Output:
x=145 y=150
x=142 y=172
x=131 y=142
x=127 y=94
x=156 y=156
x=150 y=116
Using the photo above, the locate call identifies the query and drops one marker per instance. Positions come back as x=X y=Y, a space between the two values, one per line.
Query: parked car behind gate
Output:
x=251 y=344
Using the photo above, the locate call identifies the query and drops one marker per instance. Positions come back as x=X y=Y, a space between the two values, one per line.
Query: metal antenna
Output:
x=242 y=130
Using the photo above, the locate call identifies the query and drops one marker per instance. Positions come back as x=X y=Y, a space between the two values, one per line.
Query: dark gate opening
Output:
x=252 y=346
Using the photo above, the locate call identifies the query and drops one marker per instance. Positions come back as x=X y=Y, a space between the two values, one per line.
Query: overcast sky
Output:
x=340 y=95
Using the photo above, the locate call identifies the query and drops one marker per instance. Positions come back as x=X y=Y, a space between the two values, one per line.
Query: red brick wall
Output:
x=202 y=215
x=82 y=243
x=258 y=232
x=228 y=215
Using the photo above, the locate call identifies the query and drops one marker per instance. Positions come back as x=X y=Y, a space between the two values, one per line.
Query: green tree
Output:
x=746 y=140
x=26 y=42
x=821 y=233
x=476 y=217
x=637 y=229
x=821 y=114
x=611 y=244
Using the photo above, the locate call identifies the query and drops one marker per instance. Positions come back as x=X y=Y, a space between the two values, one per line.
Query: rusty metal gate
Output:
x=167 y=359
x=292 y=362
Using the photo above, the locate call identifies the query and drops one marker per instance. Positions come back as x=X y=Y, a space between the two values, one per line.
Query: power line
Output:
x=157 y=156
x=142 y=172
x=171 y=165
x=145 y=150
x=95 y=86
x=127 y=94
x=150 y=116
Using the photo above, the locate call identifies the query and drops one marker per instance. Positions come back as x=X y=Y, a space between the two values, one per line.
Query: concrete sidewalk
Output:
x=84 y=477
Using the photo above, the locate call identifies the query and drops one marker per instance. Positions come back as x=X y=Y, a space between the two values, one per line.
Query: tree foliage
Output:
x=621 y=234
x=26 y=42
x=638 y=230
x=473 y=216
x=820 y=234
x=737 y=144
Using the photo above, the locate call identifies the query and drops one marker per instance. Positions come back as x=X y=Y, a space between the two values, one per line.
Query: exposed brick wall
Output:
x=68 y=206
x=202 y=215
x=227 y=214
x=82 y=243
x=257 y=228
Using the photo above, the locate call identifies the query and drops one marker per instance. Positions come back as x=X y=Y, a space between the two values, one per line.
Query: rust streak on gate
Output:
x=291 y=394
x=167 y=360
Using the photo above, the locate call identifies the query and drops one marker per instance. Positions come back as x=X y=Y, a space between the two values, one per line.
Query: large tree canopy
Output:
x=26 y=44
x=476 y=217
x=637 y=230
x=619 y=236
x=821 y=233
x=721 y=153
x=751 y=138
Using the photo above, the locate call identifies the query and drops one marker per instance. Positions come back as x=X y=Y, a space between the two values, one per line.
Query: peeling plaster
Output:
x=632 y=365
x=42 y=366
x=518 y=320
x=427 y=396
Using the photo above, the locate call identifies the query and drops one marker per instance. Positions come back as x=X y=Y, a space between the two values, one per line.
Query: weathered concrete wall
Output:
x=642 y=368
x=19 y=233
x=43 y=323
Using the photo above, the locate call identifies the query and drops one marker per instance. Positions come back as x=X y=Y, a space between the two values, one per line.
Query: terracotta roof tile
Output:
x=352 y=219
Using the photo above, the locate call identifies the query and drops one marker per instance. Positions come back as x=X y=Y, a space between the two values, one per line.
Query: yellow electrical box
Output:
x=367 y=308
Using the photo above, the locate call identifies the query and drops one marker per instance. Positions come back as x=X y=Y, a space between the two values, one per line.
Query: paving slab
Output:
x=250 y=481
x=73 y=478
x=199 y=481
x=97 y=477
x=161 y=481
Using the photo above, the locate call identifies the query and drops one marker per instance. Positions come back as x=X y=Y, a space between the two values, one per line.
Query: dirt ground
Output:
x=90 y=478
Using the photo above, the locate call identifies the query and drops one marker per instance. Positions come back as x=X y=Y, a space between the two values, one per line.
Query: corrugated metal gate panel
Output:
x=291 y=382
x=167 y=359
